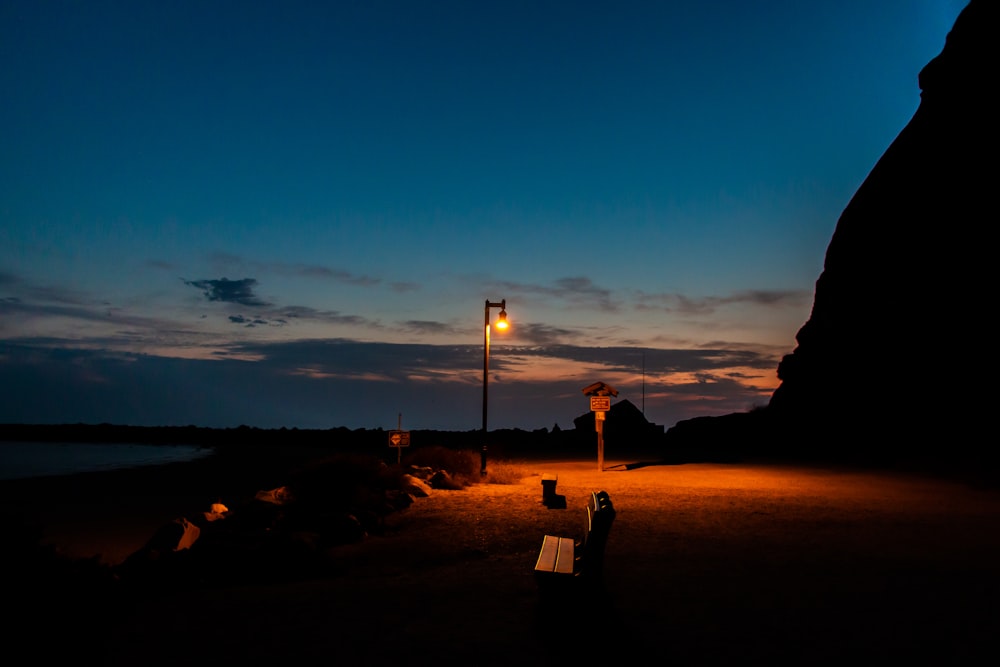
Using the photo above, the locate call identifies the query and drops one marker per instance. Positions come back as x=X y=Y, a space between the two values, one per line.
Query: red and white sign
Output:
x=600 y=403
x=399 y=438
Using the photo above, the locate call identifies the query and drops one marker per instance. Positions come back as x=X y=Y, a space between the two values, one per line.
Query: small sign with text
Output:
x=600 y=403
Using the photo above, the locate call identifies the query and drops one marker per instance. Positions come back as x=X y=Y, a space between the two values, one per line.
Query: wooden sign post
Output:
x=399 y=438
x=600 y=403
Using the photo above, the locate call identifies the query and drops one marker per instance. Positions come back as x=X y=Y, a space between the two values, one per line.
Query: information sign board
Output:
x=600 y=403
x=399 y=438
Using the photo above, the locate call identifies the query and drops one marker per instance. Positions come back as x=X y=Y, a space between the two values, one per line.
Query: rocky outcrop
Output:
x=894 y=359
x=283 y=534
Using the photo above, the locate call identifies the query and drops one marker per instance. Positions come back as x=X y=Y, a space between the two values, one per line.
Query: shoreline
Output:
x=24 y=459
x=109 y=514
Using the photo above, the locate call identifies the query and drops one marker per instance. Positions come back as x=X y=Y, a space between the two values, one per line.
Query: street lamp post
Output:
x=501 y=325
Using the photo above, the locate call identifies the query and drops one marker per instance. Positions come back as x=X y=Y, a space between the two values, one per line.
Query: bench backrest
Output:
x=600 y=516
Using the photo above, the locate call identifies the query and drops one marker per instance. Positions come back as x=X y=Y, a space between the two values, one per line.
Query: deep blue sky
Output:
x=292 y=214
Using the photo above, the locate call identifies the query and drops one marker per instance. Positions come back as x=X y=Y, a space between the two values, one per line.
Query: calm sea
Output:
x=38 y=459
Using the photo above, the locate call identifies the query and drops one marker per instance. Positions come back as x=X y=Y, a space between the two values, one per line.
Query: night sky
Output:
x=292 y=214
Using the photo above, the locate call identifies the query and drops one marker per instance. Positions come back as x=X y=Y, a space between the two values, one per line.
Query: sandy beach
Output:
x=707 y=563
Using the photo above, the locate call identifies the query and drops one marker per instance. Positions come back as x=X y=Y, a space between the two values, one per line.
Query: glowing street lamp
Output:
x=501 y=326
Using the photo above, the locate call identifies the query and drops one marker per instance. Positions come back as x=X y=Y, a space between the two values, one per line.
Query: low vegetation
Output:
x=464 y=465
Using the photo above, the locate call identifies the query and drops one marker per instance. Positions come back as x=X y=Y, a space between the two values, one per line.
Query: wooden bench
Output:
x=563 y=560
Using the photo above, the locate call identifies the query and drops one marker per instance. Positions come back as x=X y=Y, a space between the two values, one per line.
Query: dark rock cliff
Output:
x=894 y=360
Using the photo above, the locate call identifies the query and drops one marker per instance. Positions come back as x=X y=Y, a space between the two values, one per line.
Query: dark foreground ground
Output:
x=706 y=564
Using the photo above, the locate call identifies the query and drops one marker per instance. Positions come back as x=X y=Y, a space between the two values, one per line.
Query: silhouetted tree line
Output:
x=500 y=442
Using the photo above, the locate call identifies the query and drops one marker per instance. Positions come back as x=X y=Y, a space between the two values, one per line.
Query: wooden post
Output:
x=600 y=402
x=600 y=444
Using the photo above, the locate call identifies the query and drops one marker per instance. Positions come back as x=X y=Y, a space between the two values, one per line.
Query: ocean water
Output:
x=20 y=460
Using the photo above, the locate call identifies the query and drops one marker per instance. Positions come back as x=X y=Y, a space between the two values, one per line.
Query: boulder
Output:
x=414 y=486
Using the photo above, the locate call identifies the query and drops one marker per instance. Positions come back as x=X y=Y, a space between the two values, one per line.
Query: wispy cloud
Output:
x=535 y=333
x=326 y=273
x=248 y=322
x=577 y=290
x=87 y=312
x=326 y=316
x=229 y=291
x=290 y=315
x=323 y=383
x=291 y=377
x=684 y=305
x=633 y=359
x=430 y=327
x=311 y=271
x=32 y=292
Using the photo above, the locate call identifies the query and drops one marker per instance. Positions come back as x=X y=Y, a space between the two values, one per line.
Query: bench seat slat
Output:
x=556 y=555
